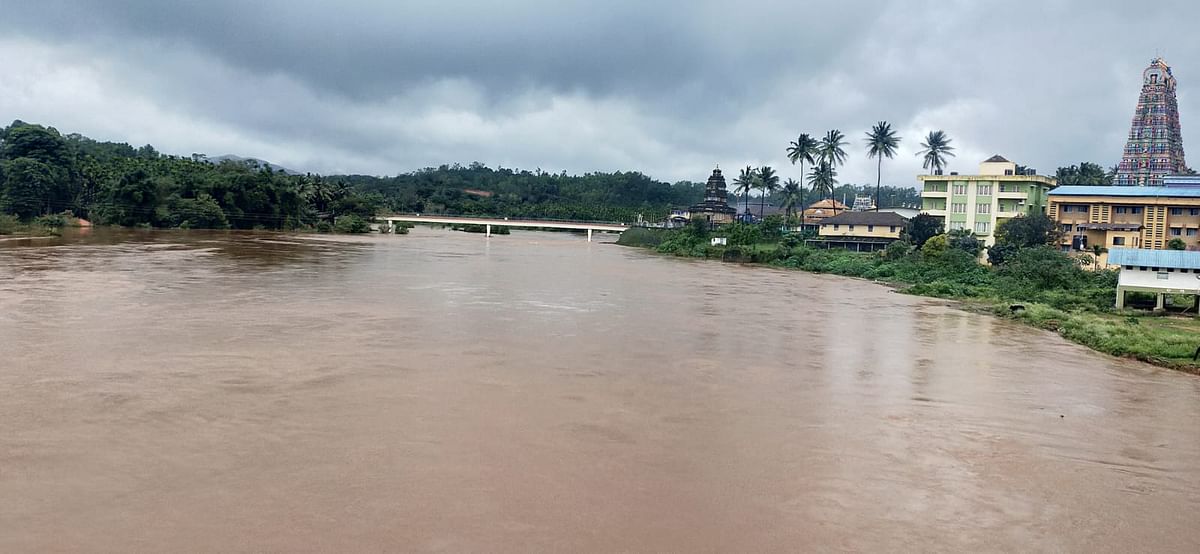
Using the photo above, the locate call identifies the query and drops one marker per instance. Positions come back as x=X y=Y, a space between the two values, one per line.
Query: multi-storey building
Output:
x=1155 y=147
x=979 y=203
x=1134 y=217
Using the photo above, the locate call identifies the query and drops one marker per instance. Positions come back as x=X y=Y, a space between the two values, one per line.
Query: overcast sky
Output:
x=666 y=87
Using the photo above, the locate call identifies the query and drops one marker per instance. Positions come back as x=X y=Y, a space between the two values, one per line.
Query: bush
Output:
x=9 y=224
x=743 y=234
x=55 y=221
x=324 y=227
x=936 y=246
x=641 y=236
x=351 y=224
x=896 y=251
x=202 y=212
x=1176 y=244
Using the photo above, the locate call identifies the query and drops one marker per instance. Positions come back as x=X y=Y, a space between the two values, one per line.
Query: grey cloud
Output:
x=666 y=87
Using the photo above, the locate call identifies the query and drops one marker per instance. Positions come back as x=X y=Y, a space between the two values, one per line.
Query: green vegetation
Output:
x=43 y=172
x=1034 y=282
x=1086 y=173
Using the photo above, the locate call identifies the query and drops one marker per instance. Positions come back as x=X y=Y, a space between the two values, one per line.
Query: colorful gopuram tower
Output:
x=1155 y=147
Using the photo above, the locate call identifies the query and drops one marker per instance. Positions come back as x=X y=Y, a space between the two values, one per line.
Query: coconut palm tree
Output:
x=745 y=182
x=823 y=179
x=830 y=149
x=936 y=149
x=792 y=196
x=768 y=183
x=803 y=149
x=881 y=142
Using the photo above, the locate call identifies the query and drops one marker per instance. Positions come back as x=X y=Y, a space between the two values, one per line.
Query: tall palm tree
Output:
x=768 y=183
x=792 y=196
x=881 y=142
x=745 y=182
x=803 y=149
x=936 y=149
x=823 y=179
x=830 y=149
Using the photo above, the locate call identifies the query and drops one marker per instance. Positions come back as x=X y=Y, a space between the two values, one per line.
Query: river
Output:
x=443 y=392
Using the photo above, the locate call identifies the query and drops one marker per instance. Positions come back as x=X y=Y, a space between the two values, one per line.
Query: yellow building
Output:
x=1133 y=217
x=867 y=231
x=980 y=203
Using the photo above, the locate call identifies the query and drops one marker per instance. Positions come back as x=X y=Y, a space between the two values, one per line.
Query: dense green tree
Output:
x=882 y=142
x=1029 y=230
x=936 y=149
x=962 y=239
x=768 y=183
x=1176 y=244
x=922 y=228
x=25 y=190
x=1086 y=173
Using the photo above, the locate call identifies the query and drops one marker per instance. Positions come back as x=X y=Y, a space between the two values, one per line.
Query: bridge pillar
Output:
x=489 y=230
x=589 y=235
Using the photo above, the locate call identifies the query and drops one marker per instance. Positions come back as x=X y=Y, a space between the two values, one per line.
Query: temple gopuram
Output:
x=715 y=208
x=1155 y=147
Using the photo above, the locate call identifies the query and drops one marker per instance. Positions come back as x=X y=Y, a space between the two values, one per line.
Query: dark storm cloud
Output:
x=667 y=87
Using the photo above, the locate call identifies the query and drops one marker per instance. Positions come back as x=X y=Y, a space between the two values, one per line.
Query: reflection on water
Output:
x=168 y=391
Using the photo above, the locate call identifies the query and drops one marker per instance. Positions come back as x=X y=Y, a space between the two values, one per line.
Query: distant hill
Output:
x=253 y=161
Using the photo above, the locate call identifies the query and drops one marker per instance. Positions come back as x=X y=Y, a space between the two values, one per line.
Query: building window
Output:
x=1066 y=227
x=870 y=228
x=892 y=229
x=983 y=208
x=981 y=228
x=1194 y=211
x=1118 y=241
x=983 y=190
x=1191 y=232
x=957 y=225
x=958 y=208
x=1135 y=210
x=1121 y=210
x=851 y=227
x=1176 y=231
x=1176 y=211
x=960 y=190
x=836 y=227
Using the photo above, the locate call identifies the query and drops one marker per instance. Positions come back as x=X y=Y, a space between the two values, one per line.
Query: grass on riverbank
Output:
x=1055 y=293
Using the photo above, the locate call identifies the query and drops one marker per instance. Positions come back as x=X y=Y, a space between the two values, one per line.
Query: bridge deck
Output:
x=545 y=224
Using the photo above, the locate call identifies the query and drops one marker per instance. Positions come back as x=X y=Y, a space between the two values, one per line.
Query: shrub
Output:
x=324 y=227
x=1176 y=244
x=936 y=246
x=9 y=224
x=896 y=251
x=351 y=224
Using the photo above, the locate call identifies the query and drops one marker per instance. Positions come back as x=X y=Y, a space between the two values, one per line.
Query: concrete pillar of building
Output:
x=589 y=235
x=1120 y=298
x=489 y=230
x=1160 y=302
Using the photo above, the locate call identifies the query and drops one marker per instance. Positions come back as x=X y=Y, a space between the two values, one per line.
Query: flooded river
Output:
x=173 y=391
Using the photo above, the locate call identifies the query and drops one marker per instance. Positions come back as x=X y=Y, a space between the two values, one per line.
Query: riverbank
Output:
x=1039 y=287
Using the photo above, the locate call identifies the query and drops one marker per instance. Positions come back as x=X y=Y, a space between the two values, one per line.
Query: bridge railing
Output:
x=508 y=218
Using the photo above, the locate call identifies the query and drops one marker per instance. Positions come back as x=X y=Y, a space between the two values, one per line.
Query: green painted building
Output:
x=978 y=203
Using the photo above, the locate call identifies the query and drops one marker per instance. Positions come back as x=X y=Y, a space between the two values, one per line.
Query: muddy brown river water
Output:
x=440 y=392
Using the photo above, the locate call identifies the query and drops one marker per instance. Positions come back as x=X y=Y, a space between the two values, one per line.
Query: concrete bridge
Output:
x=487 y=222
